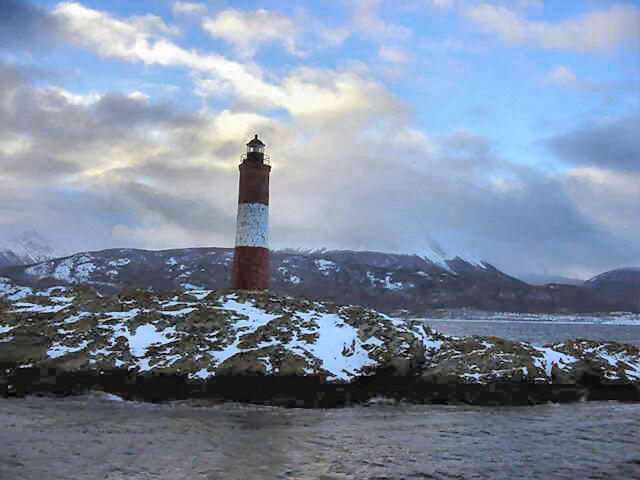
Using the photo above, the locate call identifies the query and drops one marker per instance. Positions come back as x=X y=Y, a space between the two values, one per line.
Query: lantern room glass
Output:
x=255 y=148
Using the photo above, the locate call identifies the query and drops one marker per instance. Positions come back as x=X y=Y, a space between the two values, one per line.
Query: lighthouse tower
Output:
x=251 y=257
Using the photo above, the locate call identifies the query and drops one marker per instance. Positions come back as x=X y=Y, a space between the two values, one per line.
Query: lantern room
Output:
x=255 y=145
x=255 y=152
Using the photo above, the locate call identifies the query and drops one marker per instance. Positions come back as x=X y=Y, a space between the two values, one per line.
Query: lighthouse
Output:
x=251 y=256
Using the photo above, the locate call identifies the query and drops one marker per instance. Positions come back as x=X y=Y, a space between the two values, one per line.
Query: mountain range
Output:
x=392 y=283
x=541 y=279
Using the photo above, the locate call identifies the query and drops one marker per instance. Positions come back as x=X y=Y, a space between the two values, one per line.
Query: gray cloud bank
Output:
x=25 y=26
x=121 y=170
x=614 y=143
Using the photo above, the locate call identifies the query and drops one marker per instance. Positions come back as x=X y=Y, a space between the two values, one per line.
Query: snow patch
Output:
x=337 y=346
x=551 y=357
x=83 y=272
x=120 y=262
x=63 y=270
x=391 y=285
x=199 y=294
x=255 y=318
x=326 y=266
x=35 y=308
x=5 y=329
x=58 y=349
x=146 y=335
x=179 y=313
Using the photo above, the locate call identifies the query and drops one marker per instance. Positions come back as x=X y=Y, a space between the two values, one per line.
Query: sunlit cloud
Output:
x=599 y=30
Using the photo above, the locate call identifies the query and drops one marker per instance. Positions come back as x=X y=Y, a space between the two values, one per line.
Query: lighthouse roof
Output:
x=256 y=142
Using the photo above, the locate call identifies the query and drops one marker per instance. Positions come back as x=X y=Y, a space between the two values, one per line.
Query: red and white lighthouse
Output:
x=251 y=256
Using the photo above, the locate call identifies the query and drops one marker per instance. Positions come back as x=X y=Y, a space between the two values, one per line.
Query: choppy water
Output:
x=539 y=333
x=89 y=438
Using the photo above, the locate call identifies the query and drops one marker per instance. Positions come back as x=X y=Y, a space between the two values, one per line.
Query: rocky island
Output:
x=275 y=349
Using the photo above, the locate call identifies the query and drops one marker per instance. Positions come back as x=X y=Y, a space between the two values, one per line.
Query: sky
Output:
x=507 y=131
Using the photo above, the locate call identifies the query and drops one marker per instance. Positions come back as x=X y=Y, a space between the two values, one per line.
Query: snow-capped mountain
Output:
x=387 y=282
x=25 y=248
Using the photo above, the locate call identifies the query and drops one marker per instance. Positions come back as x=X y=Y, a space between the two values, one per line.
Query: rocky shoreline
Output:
x=304 y=392
x=264 y=348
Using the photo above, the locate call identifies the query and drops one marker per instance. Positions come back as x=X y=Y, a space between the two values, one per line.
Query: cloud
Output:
x=610 y=144
x=122 y=170
x=366 y=19
x=442 y=4
x=561 y=76
x=164 y=207
x=350 y=168
x=131 y=41
x=248 y=30
x=609 y=198
x=189 y=8
x=394 y=196
x=137 y=38
x=305 y=91
x=599 y=30
x=392 y=55
x=25 y=26
x=84 y=168
x=564 y=77
x=329 y=93
x=330 y=35
x=12 y=76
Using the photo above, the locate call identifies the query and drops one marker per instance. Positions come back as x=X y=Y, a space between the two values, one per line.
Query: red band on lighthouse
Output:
x=251 y=256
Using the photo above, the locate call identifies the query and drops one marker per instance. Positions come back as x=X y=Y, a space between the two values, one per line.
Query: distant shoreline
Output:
x=612 y=323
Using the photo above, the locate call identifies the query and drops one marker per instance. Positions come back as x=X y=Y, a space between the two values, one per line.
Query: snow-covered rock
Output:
x=201 y=333
x=204 y=333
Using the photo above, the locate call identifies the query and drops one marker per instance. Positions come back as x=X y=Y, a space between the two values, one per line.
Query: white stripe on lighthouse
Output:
x=253 y=225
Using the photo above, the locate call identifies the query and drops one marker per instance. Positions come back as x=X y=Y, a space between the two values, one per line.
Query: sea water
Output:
x=90 y=438
x=539 y=332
